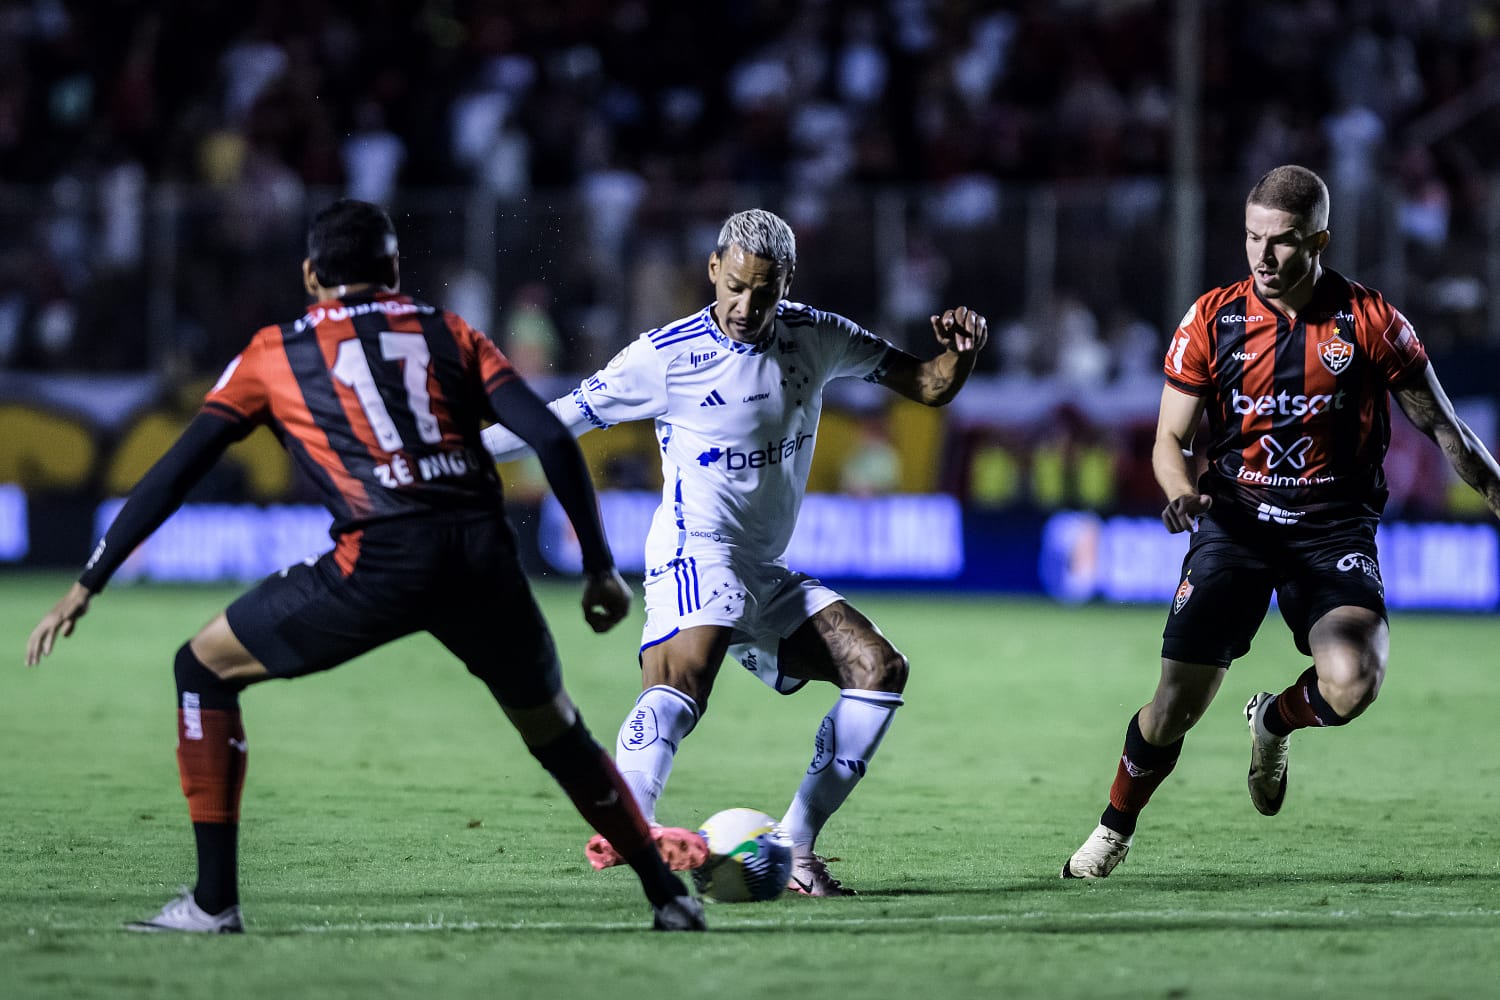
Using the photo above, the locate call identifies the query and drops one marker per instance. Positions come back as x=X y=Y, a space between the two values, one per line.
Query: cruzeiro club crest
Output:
x=1335 y=353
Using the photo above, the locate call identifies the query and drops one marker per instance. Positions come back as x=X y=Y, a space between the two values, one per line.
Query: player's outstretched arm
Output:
x=57 y=622
x=1176 y=423
x=606 y=599
x=160 y=492
x=962 y=332
x=1429 y=409
x=505 y=445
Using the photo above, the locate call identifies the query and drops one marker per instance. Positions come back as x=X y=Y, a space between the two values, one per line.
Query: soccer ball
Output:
x=749 y=857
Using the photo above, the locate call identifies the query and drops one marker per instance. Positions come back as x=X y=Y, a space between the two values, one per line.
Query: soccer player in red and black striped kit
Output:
x=379 y=398
x=1293 y=366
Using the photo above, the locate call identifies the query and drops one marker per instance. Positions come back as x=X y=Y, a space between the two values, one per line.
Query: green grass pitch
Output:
x=398 y=841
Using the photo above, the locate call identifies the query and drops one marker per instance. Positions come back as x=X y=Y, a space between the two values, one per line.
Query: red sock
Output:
x=1295 y=706
x=607 y=804
x=1130 y=792
x=211 y=757
x=593 y=783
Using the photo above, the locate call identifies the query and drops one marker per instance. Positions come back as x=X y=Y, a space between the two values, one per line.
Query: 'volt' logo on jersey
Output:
x=1294 y=454
x=774 y=453
x=713 y=399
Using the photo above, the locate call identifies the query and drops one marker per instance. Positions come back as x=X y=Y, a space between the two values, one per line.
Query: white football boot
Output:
x=184 y=915
x=1268 y=758
x=810 y=877
x=1099 y=854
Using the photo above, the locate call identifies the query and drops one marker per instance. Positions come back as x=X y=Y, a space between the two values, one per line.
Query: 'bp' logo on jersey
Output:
x=774 y=453
x=1335 y=353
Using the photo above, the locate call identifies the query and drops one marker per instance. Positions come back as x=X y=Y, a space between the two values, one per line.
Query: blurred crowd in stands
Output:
x=558 y=167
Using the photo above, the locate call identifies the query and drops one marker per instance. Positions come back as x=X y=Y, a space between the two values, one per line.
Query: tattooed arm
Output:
x=962 y=332
x=1429 y=409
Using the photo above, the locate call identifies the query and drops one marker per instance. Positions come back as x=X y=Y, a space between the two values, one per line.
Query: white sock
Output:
x=847 y=738
x=648 y=740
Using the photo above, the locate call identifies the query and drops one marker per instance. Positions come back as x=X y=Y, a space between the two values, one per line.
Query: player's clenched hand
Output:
x=1182 y=514
x=961 y=330
x=59 y=621
x=606 y=599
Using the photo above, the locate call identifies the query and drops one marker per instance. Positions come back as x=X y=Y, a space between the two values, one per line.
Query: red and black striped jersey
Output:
x=379 y=399
x=1298 y=410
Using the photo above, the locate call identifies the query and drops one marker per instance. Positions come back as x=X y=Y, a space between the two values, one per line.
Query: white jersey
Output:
x=736 y=422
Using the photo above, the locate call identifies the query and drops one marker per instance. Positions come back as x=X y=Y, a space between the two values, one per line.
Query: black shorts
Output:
x=1233 y=565
x=455 y=576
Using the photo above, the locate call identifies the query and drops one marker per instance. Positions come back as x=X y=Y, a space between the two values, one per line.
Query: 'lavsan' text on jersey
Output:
x=736 y=422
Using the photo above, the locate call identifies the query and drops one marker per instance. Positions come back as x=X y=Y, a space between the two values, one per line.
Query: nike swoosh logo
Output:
x=612 y=799
x=239 y=745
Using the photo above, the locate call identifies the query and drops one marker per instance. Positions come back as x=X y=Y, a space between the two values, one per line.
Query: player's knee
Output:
x=571 y=754
x=1351 y=697
x=884 y=668
x=895 y=671
x=692 y=676
x=1352 y=685
x=1169 y=718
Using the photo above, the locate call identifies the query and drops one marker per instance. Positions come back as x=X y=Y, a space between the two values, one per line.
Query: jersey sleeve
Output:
x=1186 y=364
x=633 y=386
x=852 y=350
x=1393 y=345
x=479 y=350
x=241 y=394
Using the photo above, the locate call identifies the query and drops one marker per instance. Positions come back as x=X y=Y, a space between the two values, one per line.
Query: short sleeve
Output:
x=1393 y=344
x=633 y=386
x=852 y=350
x=1186 y=364
x=494 y=367
x=241 y=395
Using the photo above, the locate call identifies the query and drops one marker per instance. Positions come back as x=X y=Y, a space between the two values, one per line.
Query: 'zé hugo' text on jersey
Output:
x=736 y=422
x=378 y=399
x=1298 y=413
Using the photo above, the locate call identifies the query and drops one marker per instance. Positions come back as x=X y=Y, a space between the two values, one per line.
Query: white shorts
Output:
x=762 y=602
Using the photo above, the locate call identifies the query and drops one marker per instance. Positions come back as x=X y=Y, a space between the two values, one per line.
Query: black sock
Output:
x=660 y=885
x=1120 y=822
x=218 y=883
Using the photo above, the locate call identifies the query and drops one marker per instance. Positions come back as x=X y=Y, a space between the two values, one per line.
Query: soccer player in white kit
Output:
x=736 y=390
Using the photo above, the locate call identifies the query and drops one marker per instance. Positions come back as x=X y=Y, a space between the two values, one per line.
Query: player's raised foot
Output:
x=183 y=915
x=682 y=850
x=1099 y=854
x=810 y=877
x=1268 y=758
x=681 y=913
